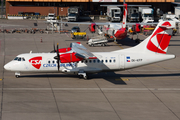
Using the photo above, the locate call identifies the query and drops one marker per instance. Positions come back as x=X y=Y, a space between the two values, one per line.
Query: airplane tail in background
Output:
x=158 y=41
x=124 y=16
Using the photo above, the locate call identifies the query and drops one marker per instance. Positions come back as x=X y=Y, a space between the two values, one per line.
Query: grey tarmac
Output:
x=150 y=92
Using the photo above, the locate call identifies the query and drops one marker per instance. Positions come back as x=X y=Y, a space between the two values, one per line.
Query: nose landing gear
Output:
x=17 y=74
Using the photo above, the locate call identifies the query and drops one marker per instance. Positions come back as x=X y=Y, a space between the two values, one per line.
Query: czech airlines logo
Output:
x=36 y=62
x=128 y=59
x=160 y=39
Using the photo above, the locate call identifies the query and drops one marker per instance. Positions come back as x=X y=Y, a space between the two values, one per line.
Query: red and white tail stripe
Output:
x=160 y=38
x=124 y=16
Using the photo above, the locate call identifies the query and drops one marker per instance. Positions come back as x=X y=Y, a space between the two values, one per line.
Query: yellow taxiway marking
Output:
x=118 y=45
x=0 y=79
x=123 y=79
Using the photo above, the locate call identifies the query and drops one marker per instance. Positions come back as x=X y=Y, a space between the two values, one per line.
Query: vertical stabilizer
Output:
x=124 y=16
x=158 y=41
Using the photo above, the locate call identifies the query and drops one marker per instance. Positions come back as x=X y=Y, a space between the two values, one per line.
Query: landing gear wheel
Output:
x=85 y=77
x=103 y=44
x=17 y=76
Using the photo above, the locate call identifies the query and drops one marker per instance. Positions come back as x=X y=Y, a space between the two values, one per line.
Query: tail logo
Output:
x=36 y=62
x=160 y=39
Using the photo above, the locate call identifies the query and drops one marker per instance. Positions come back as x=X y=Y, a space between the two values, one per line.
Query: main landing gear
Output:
x=82 y=74
x=17 y=74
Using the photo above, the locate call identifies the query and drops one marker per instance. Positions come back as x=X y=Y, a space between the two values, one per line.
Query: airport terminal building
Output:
x=59 y=7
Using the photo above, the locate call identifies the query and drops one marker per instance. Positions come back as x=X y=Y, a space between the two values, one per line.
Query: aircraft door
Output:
x=122 y=61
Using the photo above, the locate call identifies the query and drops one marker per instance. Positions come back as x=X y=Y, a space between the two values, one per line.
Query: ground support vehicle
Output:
x=98 y=40
x=146 y=14
x=133 y=15
x=113 y=13
x=78 y=35
x=147 y=29
x=73 y=14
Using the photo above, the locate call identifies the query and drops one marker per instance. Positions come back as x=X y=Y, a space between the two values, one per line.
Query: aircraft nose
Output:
x=7 y=66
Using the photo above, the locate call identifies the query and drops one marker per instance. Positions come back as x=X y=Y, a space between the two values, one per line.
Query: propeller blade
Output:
x=58 y=58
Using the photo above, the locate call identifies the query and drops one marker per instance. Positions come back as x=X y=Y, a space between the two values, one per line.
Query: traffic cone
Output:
x=41 y=39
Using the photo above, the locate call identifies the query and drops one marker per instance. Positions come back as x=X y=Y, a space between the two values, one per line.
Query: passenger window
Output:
x=19 y=59
x=53 y=61
x=82 y=61
x=110 y=61
x=89 y=61
x=49 y=61
x=86 y=61
x=23 y=59
x=102 y=61
x=106 y=61
x=94 y=61
x=114 y=60
x=98 y=61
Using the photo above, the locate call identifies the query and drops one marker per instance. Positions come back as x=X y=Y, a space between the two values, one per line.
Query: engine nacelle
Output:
x=92 y=27
x=69 y=57
x=64 y=50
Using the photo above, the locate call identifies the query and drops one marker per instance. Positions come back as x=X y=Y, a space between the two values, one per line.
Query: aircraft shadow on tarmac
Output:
x=127 y=41
x=108 y=76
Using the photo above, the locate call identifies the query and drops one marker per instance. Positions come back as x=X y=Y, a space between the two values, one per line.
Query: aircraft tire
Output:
x=85 y=77
x=17 y=76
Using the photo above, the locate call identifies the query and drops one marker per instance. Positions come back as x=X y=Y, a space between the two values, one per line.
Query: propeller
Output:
x=57 y=57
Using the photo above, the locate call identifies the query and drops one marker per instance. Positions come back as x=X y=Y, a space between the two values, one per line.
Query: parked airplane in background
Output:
x=117 y=31
x=78 y=60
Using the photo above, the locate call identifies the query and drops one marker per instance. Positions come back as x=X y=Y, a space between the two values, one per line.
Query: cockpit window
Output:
x=16 y=58
x=23 y=59
x=19 y=59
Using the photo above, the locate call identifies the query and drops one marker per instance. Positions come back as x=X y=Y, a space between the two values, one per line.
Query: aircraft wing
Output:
x=154 y=23
x=105 y=23
x=81 y=51
x=86 y=23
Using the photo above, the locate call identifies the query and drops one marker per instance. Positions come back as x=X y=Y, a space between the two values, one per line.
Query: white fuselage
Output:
x=106 y=61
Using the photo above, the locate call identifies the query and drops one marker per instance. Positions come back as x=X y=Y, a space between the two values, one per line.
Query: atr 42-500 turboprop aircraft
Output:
x=78 y=60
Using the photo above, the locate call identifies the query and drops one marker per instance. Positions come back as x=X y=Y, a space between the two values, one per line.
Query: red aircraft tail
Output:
x=124 y=16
